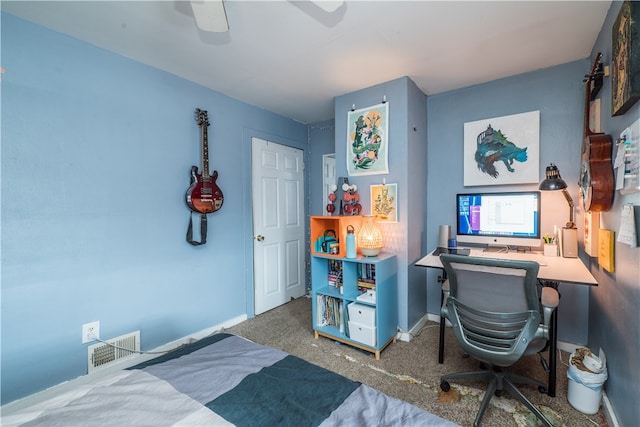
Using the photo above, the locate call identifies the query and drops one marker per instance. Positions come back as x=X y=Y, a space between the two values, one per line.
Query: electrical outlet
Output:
x=90 y=331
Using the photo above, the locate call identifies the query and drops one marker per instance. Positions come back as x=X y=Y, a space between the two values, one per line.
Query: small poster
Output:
x=368 y=140
x=591 y=227
x=606 y=244
x=384 y=202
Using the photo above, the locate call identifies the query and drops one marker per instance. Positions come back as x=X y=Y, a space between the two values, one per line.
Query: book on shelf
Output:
x=329 y=311
x=335 y=272
x=367 y=272
x=366 y=285
x=366 y=277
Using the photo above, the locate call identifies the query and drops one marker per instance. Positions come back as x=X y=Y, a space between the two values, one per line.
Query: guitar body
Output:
x=204 y=195
x=596 y=174
x=596 y=169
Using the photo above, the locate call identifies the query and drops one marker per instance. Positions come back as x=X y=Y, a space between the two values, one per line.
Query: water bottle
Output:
x=351 y=242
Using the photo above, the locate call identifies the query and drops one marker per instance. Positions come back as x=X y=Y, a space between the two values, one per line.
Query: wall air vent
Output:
x=102 y=355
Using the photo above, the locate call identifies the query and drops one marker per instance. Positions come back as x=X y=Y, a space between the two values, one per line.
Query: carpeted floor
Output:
x=409 y=370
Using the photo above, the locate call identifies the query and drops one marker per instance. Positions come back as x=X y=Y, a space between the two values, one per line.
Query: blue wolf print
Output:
x=493 y=146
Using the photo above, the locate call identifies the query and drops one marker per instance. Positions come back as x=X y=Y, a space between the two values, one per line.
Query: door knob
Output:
x=259 y=237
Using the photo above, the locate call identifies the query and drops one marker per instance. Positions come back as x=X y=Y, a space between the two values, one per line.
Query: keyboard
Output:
x=539 y=258
x=457 y=251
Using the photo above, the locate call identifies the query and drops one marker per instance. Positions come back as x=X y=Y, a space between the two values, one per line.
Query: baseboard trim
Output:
x=609 y=413
x=408 y=335
x=208 y=331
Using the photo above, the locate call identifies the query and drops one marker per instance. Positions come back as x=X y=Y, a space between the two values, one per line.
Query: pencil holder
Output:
x=550 y=250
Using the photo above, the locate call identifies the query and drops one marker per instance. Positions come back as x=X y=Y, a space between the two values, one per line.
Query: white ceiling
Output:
x=292 y=58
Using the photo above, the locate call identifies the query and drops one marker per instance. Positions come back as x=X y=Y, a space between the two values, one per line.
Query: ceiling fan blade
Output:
x=210 y=15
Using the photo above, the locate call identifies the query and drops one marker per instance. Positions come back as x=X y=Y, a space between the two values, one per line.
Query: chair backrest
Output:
x=493 y=306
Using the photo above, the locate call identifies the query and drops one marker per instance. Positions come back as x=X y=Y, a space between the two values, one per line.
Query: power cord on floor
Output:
x=425 y=326
x=562 y=362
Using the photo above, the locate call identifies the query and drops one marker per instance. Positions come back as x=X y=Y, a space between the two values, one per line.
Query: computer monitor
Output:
x=499 y=219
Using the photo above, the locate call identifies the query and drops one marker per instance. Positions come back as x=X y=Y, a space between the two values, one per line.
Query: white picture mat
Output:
x=523 y=130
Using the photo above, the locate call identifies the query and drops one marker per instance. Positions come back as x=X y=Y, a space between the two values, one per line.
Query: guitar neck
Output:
x=587 y=128
x=587 y=108
x=587 y=101
x=205 y=151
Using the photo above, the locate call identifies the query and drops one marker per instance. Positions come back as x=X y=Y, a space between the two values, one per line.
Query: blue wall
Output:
x=96 y=153
x=558 y=93
x=321 y=142
x=416 y=196
x=614 y=306
x=407 y=168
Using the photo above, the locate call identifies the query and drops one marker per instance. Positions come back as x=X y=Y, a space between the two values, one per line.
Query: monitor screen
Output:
x=510 y=218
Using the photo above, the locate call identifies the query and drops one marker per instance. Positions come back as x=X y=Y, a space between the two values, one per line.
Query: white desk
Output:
x=557 y=269
x=554 y=269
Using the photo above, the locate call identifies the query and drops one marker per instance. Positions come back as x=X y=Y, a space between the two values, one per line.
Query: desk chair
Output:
x=495 y=312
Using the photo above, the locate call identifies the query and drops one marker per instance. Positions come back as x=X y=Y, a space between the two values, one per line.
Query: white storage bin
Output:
x=369 y=296
x=362 y=334
x=362 y=314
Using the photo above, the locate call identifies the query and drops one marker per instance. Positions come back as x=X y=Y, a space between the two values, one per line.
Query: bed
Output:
x=222 y=380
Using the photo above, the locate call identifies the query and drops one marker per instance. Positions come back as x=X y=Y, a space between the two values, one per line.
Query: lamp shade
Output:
x=370 y=240
x=553 y=180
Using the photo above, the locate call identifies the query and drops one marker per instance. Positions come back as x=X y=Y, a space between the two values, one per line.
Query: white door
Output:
x=328 y=179
x=278 y=224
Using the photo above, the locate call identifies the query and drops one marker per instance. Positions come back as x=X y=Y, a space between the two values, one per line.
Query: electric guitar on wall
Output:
x=204 y=196
x=596 y=169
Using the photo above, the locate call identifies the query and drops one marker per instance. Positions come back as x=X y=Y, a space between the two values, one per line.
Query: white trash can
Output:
x=587 y=374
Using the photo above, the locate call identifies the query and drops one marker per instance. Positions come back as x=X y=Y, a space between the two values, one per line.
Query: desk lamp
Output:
x=553 y=182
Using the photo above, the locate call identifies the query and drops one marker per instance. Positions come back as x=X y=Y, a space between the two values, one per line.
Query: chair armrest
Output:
x=550 y=300
x=550 y=297
x=444 y=311
x=445 y=288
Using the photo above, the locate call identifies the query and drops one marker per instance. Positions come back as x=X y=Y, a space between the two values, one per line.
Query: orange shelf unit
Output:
x=320 y=224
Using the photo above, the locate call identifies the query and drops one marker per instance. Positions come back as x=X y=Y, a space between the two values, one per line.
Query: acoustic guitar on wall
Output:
x=596 y=169
x=204 y=195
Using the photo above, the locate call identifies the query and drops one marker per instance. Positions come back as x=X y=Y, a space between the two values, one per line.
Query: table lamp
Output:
x=370 y=240
x=552 y=182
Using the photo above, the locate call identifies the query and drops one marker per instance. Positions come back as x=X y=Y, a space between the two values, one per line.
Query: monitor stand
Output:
x=501 y=248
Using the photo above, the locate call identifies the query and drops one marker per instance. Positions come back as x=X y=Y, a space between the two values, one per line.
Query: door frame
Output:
x=280 y=258
x=325 y=193
x=247 y=209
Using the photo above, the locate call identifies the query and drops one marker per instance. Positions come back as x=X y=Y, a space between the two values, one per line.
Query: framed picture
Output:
x=384 y=202
x=503 y=150
x=367 y=140
x=625 y=59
